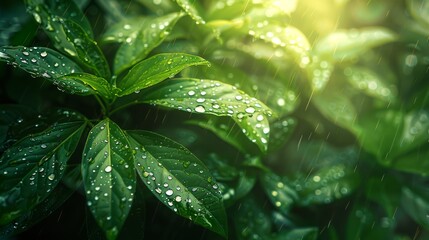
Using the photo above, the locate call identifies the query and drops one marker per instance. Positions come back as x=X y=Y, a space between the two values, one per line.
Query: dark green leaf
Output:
x=416 y=203
x=55 y=199
x=108 y=176
x=298 y=233
x=415 y=162
x=33 y=166
x=86 y=48
x=85 y=84
x=39 y=61
x=279 y=192
x=191 y=10
x=156 y=69
x=347 y=44
x=251 y=221
x=65 y=9
x=139 y=44
x=179 y=180
x=215 y=98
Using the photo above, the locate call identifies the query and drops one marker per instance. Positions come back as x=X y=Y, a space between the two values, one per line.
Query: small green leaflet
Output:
x=346 y=44
x=108 y=176
x=156 y=69
x=85 y=84
x=216 y=98
x=33 y=166
x=191 y=10
x=138 y=44
x=179 y=180
x=39 y=61
x=278 y=191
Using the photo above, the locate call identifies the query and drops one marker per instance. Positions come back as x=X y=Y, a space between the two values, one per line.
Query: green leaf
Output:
x=39 y=61
x=319 y=72
x=191 y=10
x=85 y=84
x=33 y=166
x=62 y=8
x=55 y=199
x=337 y=108
x=289 y=38
x=370 y=83
x=179 y=180
x=347 y=44
x=155 y=69
x=86 y=49
x=419 y=10
x=298 y=233
x=108 y=176
x=415 y=162
x=251 y=221
x=215 y=98
x=279 y=192
x=415 y=202
x=139 y=44
x=390 y=134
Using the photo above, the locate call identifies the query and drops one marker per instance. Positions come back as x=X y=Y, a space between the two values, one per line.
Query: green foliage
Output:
x=253 y=119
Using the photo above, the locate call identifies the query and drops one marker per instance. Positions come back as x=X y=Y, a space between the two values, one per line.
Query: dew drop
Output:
x=178 y=199
x=250 y=110
x=43 y=54
x=51 y=177
x=43 y=146
x=200 y=109
x=169 y=192
x=108 y=169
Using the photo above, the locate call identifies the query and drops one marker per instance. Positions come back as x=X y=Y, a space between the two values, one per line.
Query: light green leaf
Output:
x=39 y=61
x=349 y=43
x=156 y=69
x=419 y=10
x=215 y=98
x=138 y=44
x=85 y=84
x=108 y=176
x=86 y=49
x=179 y=180
x=297 y=233
x=319 y=72
x=191 y=10
x=279 y=192
x=32 y=167
x=289 y=38
x=371 y=83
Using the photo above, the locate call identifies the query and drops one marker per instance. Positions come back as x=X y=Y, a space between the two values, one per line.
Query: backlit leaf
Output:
x=138 y=44
x=108 y=176
x=278 y=191
x=191 y=10
x=156 y=69
x=215 y=98
x=179 y=180
x=32 y=167
x=349 y=43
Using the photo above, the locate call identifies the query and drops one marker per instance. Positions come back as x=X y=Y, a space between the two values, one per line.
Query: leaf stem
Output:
x=104 y=110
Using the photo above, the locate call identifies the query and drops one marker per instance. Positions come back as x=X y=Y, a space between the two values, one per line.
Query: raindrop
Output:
x=43 y=146
x=108 y=169
x=43 y=54
x=178 y=199
x=191 y=93
x=200 y=109
x=169 y=192
x=250 y=110
x=51 y=177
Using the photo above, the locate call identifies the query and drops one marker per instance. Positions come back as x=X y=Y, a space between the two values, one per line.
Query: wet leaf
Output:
x=370 y=83
x=251 y=221
x=138 y=44
x=289 y=38
x=419 y=10
x=319 y=72
x=55 y=199
x=415 y=202
x=32 y=167
x=108 y=176
x=349 y=43
x=179 y=180
x=85 y=84
x=156 y=69
x=298 y=233
x=191 y=10
x=364 y=223
x=415 y=162
x=336 y=107
x=39 y=61
x=61 y=8
x=279 y=192
x=215 y=98
x=86 y=49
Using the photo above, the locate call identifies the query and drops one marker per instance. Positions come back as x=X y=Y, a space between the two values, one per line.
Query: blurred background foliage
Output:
x=348 y=154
